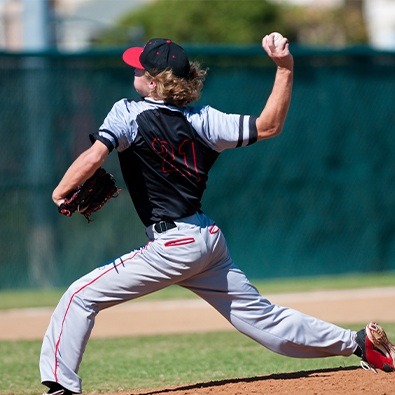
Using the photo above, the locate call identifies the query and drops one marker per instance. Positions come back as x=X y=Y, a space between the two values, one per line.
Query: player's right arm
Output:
x=80 y=170
x=271 y=120
x=224 y=131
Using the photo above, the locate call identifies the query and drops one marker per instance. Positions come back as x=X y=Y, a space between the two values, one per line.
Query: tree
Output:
x=326 y=27
x=236 y=22
x=197 y=21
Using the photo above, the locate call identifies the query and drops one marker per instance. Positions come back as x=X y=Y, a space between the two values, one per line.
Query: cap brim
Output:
x=132 y=57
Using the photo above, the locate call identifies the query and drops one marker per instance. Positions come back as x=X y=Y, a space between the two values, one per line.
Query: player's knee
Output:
x=80 y=297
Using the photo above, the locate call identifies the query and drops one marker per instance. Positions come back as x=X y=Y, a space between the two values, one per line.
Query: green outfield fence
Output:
x=319 y=199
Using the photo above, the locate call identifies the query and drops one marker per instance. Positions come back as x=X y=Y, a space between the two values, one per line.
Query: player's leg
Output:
x=280 y=329
x=140 y=272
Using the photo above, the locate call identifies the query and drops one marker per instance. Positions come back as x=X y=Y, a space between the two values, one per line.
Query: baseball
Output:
x=277 y=38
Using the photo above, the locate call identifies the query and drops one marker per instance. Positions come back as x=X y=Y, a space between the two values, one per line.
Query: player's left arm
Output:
x=80 y=170
x=271 y=120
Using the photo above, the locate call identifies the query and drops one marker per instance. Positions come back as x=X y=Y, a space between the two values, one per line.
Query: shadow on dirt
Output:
x=277 y=376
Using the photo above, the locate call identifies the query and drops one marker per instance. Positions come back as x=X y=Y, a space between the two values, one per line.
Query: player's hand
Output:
x=57 y=200
x=278 y=52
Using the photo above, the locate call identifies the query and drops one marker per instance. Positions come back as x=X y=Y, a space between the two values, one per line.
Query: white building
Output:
x=76 y=22
x=80 y=20
x=380 y=19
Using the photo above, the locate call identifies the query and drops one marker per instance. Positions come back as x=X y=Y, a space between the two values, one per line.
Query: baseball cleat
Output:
x=57 y=389
x=377 y=351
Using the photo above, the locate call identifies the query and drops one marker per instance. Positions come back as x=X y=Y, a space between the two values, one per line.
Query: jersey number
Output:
x=172 y=158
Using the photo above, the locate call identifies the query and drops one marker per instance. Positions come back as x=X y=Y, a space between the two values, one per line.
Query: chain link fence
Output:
x=318 y=199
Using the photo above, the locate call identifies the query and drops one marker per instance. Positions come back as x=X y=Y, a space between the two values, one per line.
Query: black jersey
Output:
x=166 y=152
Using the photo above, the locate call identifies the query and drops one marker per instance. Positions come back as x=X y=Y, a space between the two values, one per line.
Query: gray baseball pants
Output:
x=193 y=255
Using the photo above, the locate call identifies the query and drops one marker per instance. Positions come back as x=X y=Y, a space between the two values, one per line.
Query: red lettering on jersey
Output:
x=186 y=155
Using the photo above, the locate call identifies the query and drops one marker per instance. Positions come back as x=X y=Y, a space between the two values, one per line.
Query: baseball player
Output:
x=166 y=148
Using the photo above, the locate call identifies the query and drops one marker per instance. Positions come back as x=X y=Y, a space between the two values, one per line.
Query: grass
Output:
x=49 y=297
x=127 y=364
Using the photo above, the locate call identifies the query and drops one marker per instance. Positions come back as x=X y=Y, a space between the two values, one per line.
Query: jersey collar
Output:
x=161 y=103
x=153 y=101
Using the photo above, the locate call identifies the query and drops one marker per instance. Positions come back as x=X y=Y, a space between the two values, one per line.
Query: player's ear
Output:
x=152 y=84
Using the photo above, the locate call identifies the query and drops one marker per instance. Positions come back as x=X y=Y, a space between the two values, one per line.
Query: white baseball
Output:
x=277 y=38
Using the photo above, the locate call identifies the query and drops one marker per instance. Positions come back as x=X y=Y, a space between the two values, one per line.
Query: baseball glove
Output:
x=91 y=195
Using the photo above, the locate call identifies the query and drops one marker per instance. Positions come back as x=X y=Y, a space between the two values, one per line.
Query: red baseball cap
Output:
x=157 y=55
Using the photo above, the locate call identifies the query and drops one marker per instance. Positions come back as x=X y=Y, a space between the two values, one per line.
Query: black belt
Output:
x=163 y=226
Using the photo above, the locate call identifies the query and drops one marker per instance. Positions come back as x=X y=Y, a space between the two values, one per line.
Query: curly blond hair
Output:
x=179 y=91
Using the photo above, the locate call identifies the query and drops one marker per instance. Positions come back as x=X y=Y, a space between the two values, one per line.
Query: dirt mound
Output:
x=340 y=381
